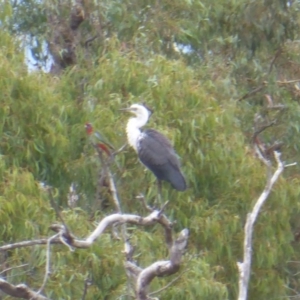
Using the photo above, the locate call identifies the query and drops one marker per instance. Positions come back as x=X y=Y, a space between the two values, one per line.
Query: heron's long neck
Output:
x=133 y=131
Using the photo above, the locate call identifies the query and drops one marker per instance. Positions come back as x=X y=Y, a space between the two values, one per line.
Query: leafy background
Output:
x=227 y=49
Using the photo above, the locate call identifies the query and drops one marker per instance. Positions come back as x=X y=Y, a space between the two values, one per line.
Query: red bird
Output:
x=100 y=141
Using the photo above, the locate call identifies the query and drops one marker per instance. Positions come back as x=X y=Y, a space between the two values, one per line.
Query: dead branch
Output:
x=120 y=150
x=288 y=81
x=113 y=190
x=47 y=271
x=263 y=128
x=29 y=243
x=245 y=266
x=55 y=207
x=271 y=105
x=277 y=54
x=254 y=91
x=68 y=238
x=265 y=151
x=141 y=277
x=19 y=291
x=160 y=268
x=12 y=268
x=91 y=39
x=87 y=284
x=141 y=197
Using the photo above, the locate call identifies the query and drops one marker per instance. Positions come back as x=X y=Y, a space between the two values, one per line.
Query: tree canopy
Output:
x=215 y=73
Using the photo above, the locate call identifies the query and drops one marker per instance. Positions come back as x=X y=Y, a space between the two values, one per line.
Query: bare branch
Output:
x=113 y=190
x=162 y=268
x=277 y=54
x=47 y=272
x=87 y=284
x=263 y=128
x=89 y=40
x=260 y=155
x=141 y=197
x=168 y=285
x=28 y=243
x=120 y=149
x=19 y=291
x=288 y=81
x=55 y=207
x=68 y=238
x=245 y=266
x=254 y=91
x=12 y=268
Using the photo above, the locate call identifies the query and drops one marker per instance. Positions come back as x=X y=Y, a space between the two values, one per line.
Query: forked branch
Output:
x=66 y=237
x=143 y=277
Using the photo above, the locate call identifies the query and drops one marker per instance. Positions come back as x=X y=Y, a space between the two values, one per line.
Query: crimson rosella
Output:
x=99 y=140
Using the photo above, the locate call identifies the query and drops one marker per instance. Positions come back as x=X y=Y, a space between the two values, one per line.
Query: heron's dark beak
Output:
x=125 y=109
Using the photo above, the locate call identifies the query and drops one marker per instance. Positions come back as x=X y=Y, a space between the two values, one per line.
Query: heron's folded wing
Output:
x=155 y=149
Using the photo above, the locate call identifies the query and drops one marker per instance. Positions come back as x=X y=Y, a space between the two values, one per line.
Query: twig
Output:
x=277 y=54
x=263 y=128
x=12 y=268
x=119 y=150
x=288 y=81
x=87 y=283
x=256 y=90
x=245 y=266
x=47 y=272
x=107 y=173
x=89 y=40
x=168 y=285
x=290 y=165
x=28 y=243
x=114 y=192
x=141 y=197
x=55 y=207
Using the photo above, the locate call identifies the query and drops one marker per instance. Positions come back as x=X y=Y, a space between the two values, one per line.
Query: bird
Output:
x=102 y=145
x=98 y=140
x=154 y=149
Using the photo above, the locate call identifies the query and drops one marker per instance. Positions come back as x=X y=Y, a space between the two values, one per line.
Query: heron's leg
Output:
x=159 y=194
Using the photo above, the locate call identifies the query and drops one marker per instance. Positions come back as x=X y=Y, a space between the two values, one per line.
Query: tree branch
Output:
x=47 y=271
x=162 y=268
x=245 y=266
x=19 y=291
x=68 y=238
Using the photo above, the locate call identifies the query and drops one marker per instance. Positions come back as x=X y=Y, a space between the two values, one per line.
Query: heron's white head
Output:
x=141 y=112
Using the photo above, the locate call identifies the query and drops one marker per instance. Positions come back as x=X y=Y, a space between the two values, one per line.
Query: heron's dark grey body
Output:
x=157 y=154
x=154 y=149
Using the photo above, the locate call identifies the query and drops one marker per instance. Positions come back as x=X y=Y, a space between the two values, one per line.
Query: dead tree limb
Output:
x=159 y=268
x=28 y=244
x=245 y=266
x=67 y=238
x=20 y=291
x=47 y=271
